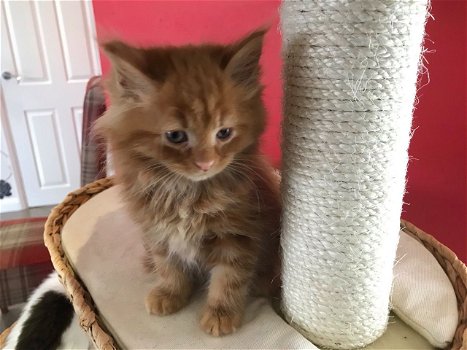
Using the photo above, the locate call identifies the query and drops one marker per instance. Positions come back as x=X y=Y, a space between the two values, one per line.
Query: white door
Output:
x=48 y=54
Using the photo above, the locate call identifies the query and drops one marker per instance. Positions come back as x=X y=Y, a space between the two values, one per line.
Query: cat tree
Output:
x=350 y=71
x=350 y=81
x=350 y=78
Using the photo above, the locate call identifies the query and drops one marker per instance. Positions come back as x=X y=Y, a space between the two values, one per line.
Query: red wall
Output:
x=436 y=198
x=436 y=188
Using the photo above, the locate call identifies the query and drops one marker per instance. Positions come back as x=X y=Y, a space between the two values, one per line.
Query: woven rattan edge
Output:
x=456 y=272
x=79 y=296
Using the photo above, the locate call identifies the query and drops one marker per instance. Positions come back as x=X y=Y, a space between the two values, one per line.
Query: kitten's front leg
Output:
x=227 y=293
x=173 y=286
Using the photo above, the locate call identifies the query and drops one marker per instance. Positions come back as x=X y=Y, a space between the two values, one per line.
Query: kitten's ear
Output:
x=243 y=59
x=128 y=67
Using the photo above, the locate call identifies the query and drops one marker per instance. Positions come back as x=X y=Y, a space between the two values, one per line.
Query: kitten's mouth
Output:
x=193 y=175
x=203 y=175
x=196 y=174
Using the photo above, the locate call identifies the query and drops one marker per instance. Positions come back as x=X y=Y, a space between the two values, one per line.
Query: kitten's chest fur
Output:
x=184 y=219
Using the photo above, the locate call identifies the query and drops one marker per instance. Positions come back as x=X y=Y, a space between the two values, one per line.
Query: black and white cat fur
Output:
x=48 y=321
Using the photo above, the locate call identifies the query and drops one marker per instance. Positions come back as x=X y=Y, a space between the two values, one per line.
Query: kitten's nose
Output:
x=205 y=166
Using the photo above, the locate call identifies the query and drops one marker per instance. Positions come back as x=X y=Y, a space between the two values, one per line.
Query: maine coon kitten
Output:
x=183 y=128
x=48 y=321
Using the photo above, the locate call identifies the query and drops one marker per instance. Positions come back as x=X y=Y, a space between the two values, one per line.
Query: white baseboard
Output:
x=9 y=204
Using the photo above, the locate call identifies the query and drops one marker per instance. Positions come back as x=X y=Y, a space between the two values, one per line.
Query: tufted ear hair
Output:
x=243 y=59
x=129 y=77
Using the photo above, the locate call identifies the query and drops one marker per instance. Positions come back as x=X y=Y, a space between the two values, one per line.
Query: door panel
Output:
x=79 y=56
x=48 y=152
x=27 y=40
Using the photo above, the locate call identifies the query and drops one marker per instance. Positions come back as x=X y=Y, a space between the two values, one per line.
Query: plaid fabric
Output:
x=21 y=242
x=24 y=260
x=17 y=284
x=92 y=154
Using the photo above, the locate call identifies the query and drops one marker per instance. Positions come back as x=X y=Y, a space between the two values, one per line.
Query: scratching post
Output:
x=350 y=81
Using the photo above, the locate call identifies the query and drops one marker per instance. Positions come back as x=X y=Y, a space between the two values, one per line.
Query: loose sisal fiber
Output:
x=350 y=81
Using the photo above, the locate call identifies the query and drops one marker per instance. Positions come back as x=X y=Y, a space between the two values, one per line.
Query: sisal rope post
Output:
x=350 y=70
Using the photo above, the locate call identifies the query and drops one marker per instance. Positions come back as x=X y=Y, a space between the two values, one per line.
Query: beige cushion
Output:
x=104 y=246
x=422 y=294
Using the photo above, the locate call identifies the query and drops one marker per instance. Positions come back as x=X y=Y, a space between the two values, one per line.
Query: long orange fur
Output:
x=223 y=220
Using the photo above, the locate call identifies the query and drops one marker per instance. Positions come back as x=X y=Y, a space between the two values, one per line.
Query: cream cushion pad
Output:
x=422 y=294
x=104 y=248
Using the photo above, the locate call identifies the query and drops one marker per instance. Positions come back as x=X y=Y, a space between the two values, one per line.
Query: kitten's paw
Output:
x=218 y=321
x=160 y=302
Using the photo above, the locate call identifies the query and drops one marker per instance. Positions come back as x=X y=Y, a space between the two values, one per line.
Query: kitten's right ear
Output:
x=128 y=66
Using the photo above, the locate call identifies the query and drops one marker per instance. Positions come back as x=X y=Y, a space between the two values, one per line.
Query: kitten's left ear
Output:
x=243 y=62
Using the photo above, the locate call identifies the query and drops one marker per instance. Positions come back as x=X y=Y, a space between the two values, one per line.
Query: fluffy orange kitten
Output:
x=184 y=127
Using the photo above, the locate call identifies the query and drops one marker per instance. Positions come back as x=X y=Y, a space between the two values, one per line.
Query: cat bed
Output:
x=97 y=252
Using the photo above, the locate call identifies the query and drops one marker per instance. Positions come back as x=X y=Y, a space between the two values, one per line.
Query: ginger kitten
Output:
x=184 y=127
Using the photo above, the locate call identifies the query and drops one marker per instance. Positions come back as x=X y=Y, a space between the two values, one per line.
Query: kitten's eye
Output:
x=224 y=134
x=176 y=136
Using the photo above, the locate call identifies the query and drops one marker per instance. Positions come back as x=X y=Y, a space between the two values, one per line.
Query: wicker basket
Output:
x=93 y=325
